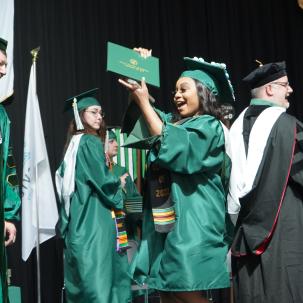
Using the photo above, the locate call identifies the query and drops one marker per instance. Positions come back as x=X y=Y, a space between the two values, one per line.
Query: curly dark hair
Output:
x=72 y=130
x=209 y=103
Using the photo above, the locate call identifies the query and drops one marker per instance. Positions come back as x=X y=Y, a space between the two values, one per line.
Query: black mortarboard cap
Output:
x=265 y=74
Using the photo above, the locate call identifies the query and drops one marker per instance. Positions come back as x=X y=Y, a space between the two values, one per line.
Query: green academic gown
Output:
x=130 y=190
x=192 y=256
x=133 y=208
x=94 y=271
x=9 y=194
x=132 y=202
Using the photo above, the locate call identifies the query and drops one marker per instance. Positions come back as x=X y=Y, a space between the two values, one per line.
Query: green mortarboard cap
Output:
x=139 y=137
x=265 y=74
x=130 y=117
x=111 y=135
x=213 y=75
x=84 y=100
x=79 y=103
x=135 y=127
x=3 y=44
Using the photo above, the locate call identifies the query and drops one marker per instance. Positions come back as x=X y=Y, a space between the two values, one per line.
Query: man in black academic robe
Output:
x=266 y=191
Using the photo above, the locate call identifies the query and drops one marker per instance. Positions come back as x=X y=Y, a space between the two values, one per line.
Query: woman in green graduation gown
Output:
x=183 y=248
x=94 y=271
x=131 y=197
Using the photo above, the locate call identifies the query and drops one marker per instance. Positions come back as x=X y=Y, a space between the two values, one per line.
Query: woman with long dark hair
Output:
x=95 y=269
x=183 y=249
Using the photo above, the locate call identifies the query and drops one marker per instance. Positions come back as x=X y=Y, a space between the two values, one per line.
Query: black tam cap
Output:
x=265 y=74
x=3 y=44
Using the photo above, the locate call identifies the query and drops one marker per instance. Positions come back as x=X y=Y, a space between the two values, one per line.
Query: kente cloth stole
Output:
x=122 y=240
x=159 y=187
x=119 y=217
x=159 y=184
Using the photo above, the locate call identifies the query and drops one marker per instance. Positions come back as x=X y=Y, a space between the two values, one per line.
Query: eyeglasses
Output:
x=284 y=84
x=96 y=113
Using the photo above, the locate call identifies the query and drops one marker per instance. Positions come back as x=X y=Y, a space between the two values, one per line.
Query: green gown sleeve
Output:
x=12 y=200
x=130 y=191
x=91 y=165
x=10 y=189
x=191 y=147
x=132 y=203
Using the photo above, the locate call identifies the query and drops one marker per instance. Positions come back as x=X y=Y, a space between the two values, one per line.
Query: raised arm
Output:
x=141 y=96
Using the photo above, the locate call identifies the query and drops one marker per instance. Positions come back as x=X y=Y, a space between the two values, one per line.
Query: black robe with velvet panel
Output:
x=268 y=244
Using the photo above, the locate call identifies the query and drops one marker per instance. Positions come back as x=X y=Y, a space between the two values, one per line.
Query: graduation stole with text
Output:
x=159 y=184
x=159 y=187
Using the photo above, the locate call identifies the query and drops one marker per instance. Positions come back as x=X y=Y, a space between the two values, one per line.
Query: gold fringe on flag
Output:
x=300 y=2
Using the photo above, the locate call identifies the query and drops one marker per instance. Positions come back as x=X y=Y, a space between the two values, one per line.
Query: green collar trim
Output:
x=262 y=102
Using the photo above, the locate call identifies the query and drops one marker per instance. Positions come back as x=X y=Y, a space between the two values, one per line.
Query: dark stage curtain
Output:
x=73 y=34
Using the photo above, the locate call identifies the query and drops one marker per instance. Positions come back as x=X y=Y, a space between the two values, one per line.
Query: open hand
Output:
x=123 y=179
x=138 y=93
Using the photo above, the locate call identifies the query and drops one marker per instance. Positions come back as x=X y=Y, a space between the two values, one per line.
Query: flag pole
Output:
x=34 y=54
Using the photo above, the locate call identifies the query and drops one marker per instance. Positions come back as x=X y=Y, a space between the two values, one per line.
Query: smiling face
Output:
x=186 y=98
x=92 y=116
x=3 y=64
x=280 y=91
